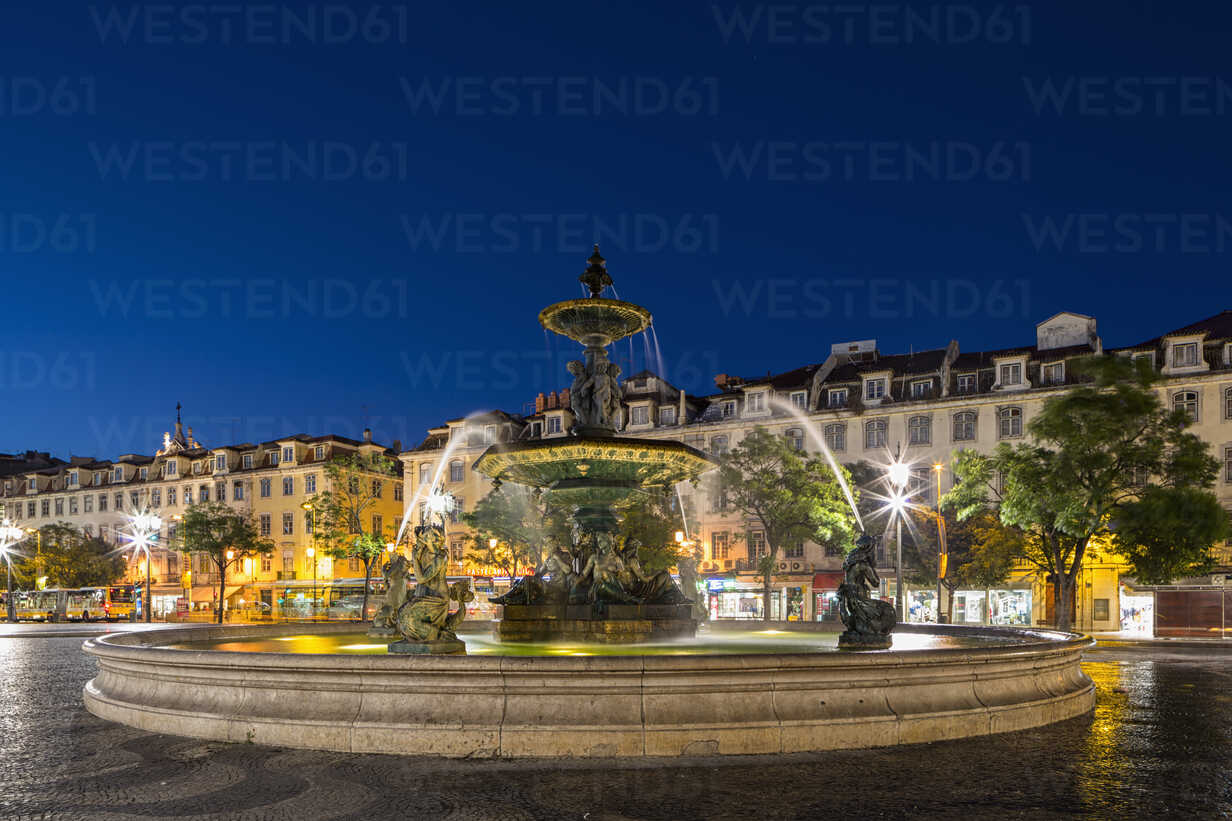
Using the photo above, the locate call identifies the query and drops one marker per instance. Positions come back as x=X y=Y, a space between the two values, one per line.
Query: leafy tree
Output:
x=225 y=535
x=341 y=514
x=653 y=521
x=1105 y=452
x=515 y=517
x=980 y=551
x=1169 y=533
x=789 y=496
x=70 y=558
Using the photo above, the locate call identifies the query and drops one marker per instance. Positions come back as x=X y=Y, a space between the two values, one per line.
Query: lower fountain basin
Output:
x=689 y=698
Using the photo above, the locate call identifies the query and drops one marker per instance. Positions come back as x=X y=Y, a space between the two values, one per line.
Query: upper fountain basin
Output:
x=595 y=321
x=593 y=466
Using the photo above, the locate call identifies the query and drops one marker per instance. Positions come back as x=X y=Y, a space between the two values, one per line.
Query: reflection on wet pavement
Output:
x=1159 y=745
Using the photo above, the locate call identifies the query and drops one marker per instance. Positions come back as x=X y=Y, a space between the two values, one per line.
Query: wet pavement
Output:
x=1159 y=745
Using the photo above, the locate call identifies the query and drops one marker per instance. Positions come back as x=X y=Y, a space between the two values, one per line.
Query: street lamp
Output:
x=312 y=554
x=679 y=537
x=9 y=536
x=898 y=473
x=144 y=529
x=941 y=550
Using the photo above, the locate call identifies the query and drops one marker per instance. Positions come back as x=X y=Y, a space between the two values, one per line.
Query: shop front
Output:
x=825 y=596
x=1009 y=607
x=743 y=598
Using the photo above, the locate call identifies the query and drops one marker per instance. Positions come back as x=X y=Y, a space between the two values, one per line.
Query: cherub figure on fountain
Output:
x=868 y=620
x=550 y=583
x=424 y=620
x=603 y=579
x=395 y=572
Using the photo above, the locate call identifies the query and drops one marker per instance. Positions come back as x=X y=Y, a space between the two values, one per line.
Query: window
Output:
x=489 y=434
x=267 y=563
x=60 y=507
x=288 y=564
x=1227 y=403
x=922 y=389
x=102 y=503
x=757 y=544
x=964 y=426
x=119 y=502
x=264 y=521
x=536 y=430
x=836 y=437
x=310 y=484
x=145 y=474
x=171 y=497
x=639 y=415
x=117 y=474
x=667 y=416
x=156 y=498
x=1227 y=464
x=266 y=486
x=45 y=508
x=378 y=487
x=172 y=468
x=197 y=468
x=203 y=493
x=247 y=461
x=1053 y=374
x=188 y=494
x=875 y=434
x=455 y=470
x=718 y=445
x=795 y=438
x=1100 y=611
x=455 y=512
x=72 y=505
x=288 y=453
x=837 y=398
x=920 y=430
x=425 y=473
x=72 y=479
x=1186 y=401
x=30 y=509
x=794 y=551
x=378 y=524
x=1011 y=374
x=220 y=462
x=729 y=409
x=397 y=491
x=319 y=453
x=457 y=547
x=920 y=486
x=720 y=545
x=874 y=389
x=756 y=402
x=1009 y=423
x=1185 y=355
x=88 y=501
x=237 y=491
x=273 y=458
x=966 y=383
x=288 y=524
x=33 y=486
x=288 y=485
x=553 y=424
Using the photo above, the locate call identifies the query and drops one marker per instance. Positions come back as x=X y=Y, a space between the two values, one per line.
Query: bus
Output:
x=339 y=599
x=39 y=605
x=111 y=603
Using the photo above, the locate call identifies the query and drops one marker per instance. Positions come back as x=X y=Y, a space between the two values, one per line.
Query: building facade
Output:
x=863 y=405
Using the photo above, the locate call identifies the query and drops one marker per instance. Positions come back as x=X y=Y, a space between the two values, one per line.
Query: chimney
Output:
x=540 y=402
x=367 y=434
x=720 y=381
x=552 y=400
x=564 y=397
x=397 y=446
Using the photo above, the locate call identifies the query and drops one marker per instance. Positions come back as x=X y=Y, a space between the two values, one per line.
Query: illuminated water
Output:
x=727 y=642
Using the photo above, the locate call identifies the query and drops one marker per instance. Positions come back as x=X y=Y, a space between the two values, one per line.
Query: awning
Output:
x=827 y=581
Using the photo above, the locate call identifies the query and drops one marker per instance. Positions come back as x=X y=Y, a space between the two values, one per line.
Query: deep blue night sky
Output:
x=288 y=234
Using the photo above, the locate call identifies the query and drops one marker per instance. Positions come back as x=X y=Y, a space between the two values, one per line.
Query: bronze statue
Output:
x=654 y=588
x=424 y=620
x=868 y=620
x=603 y=578
x=395 y=572
x=550 y=583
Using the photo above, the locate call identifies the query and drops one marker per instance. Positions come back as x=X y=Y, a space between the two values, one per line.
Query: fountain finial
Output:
x=596 y=277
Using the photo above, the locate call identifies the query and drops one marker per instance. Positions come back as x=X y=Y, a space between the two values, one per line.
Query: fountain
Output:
x=594 y=658
x=595 y=589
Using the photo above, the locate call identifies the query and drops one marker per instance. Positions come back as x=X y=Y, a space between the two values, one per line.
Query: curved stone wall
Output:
x=592 y=706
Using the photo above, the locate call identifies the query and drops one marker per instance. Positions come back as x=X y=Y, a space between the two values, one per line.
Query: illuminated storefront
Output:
x=742 y=598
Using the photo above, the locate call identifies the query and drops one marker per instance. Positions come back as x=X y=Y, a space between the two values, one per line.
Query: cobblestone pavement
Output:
x=1159 y=745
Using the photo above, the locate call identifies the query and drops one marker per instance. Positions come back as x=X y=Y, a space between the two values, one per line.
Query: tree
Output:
x=653 y=522
x=71 y=558
x=1105 y=452
x=791 y=498
x=1169 y=533
x=980 y=551
x=513 y=516
x=223 y=534
x=341 y=517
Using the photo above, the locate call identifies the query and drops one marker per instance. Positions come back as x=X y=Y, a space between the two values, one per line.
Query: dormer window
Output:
x=273 y=458
x=288 y=453
x=921 y=389
x=72 y=479
x=489 y=434
x=874 y=389
x=536 y=430
x=639 y=415
x=966 y=383
x=1185 y=355
x=729 y=409
x=33 y=485
x=553 y=424
x=799 y=398
x=172 y=469
x=117 y=474
x=247 y=461
x=1011 y=374
x=1053 y=374
x=667 y=416
x=837 y=398
x=756 y=402
x=145 y=474
x=198 y=467
x=319 y=453
x=220 y=461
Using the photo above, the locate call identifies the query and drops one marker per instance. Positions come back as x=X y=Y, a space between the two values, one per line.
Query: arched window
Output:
x=1009 y=423
x=836 y=437
x=795 y=438
x=919 y=430
x=455 y=470
x=875 y=433
x=1186 y=401
x=964 y=426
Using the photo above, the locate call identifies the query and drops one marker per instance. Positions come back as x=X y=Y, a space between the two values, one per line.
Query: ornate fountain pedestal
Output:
x=617 y=624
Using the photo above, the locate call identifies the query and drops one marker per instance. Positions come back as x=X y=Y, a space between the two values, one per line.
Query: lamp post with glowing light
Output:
x=312 y=556
x=898 y=474
x=143 y=529
x=941 y=550
x=9 y=536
